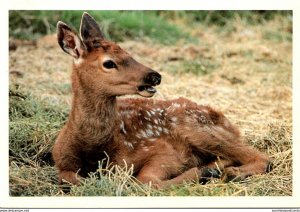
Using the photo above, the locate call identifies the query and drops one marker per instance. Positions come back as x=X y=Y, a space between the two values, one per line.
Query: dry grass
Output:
x=247 y=75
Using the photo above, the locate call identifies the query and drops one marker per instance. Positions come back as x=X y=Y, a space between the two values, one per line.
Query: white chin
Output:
x=145 y=93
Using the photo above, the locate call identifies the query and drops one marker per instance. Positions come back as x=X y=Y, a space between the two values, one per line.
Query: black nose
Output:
x=153 y=78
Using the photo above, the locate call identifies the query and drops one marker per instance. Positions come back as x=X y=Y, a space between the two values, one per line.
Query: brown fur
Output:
x=167 y=142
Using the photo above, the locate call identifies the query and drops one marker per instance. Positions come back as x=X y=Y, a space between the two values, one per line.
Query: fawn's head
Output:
x=101 y=65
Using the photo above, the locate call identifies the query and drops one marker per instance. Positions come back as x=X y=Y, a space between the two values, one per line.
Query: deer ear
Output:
x=69 y=40
x=90 y=32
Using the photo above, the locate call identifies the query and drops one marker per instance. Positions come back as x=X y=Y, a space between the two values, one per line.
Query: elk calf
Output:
x=167 y=142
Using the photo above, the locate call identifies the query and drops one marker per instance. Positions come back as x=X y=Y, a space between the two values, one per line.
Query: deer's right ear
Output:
x=69 y=41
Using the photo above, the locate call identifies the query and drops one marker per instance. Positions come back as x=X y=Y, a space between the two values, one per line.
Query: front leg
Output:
x=67 y=161
x=68 y=167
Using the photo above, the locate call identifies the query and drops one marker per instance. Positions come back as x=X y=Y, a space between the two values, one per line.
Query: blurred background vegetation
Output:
x=165 y=27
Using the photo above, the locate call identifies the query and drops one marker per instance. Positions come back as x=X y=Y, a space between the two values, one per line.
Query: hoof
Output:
x=66 y=188
x=270 y=167
x=208 y=173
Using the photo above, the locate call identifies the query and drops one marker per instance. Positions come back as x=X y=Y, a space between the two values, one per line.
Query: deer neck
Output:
x=93 y=114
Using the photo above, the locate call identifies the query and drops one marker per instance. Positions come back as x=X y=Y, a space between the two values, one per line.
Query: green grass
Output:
x=224 y=17
x=33 y=127
x=198 y=67
x=116 y=25
x=277 y=36
x=159 y=26
x=32 y=180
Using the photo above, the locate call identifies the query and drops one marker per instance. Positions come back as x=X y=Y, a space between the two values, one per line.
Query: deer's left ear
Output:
x=69 y=41
x=90 y=32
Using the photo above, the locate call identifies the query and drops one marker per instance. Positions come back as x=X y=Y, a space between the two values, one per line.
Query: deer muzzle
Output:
x=150 y=80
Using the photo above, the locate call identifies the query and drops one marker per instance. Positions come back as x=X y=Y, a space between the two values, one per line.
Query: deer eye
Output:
x=109 y=64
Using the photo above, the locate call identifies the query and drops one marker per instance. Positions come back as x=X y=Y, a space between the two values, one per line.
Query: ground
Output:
x=246 y=73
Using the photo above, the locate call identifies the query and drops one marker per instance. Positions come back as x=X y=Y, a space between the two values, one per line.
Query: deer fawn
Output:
x=167 y=142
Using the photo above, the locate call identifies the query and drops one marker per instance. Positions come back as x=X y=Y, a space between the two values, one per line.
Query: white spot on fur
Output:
x=174 y=119
x=146 y=149
x=128 y=144
x=176 y=105
x=155 y=121
x=203 y=119
x=149 y=132
x=122 y=127
x=143 y=133
x=152 y=139
x=148 y=113
x=173 y=124
x=150 y=126
x=157 y=133
x=166 y=130
x=188 y=112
